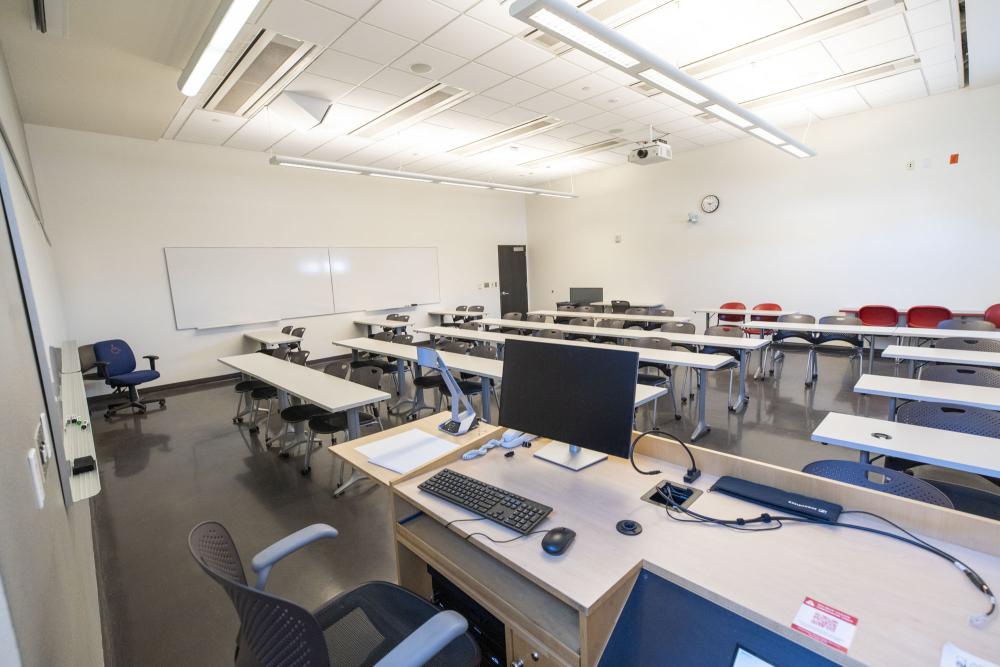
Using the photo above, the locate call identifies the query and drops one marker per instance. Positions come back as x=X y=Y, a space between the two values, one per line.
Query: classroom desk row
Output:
x=659 y=319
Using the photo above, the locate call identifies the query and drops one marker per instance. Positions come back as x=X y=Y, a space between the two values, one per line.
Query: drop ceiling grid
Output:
x=475 y=45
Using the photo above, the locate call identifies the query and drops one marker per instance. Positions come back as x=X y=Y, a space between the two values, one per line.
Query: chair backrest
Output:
x=456 y=346
x=298 y=332
x=973 y=375
x=535 y=318
x=584 y=309
x=486 y=351
x=274 y=631
x=975 y=421
x=298 y=357
x=286 y=330
x=611 y=324
x=765 y=318
x=976 y=344
x=397 y=317
x=651 y=343
x=551 y=333
x=477 y=309
x=661 y=312
x=383 y=335
x=840 y=319
x=513 y=315
x=280 y=352
x=619 y=306
x=733 y=305
x=461 y=308
x=117 y=354
x=369 y=376
x=968 y=325
x=87 y=357
x=469 y=326
x=723 y=330
x=582 y=321
x=567 y=308
x=896 y=483
x=402 y=339
x=341 y=369
x=637 y=311
x=993 y=314
x=678 y=327
x=926 y=317
x=878 y=316
x=799 y=318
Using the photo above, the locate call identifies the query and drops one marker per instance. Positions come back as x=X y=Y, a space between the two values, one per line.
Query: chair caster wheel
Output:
x=283 y=455
x=237 y=420
x=306 y=471
x=677 y=417
x=254 y=429
x=770 y=372
x=163 y=403
x=108 y=415
x=411 y=418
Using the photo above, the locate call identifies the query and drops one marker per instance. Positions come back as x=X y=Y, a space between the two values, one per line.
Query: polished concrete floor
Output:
x=166 y=471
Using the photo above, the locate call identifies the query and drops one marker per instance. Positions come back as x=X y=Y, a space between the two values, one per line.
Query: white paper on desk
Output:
x=406 y=451
x=952 y=656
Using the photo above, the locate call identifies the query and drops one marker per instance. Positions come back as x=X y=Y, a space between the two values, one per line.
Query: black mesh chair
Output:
x=656 y=375
x=967 y=325
x=396 y=317
x=377 y=623
x=620 y=306
x=303 y=412
x=896 y=483
x=245 y=386
x=331 y=423
x=972 y=344
x=287 y=329
x=298 y=332
x=433 y=380
x=368 y=358
x=269 y=393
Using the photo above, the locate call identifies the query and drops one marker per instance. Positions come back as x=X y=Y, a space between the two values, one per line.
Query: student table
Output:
x=936 y=355
x=960 y=451
x=397 y=326
x=743 y=312
x=468 y=314
x=871 y=333
x=269 y=337
x=631 y=304
x=927 y=390
x=612 y=316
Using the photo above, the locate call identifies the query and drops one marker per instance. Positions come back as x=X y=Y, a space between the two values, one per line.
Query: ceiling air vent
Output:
x=423 y=105
x=605 y=145
x=510 y=135
x=268 y=65
x=645 y=88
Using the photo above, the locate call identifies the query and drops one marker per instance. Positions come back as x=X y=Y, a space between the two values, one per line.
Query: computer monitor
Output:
x=581 y=397
x=585 y=296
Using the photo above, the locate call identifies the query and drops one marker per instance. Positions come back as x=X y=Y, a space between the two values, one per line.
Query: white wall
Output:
x=113 y=203
x=849 y=227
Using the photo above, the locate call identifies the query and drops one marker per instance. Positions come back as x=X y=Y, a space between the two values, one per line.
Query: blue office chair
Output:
x=116 y=366
x=377 y=623
x=896 y=483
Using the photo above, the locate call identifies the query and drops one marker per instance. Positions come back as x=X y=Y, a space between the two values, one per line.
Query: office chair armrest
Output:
x=266 y=559
x=426 y=641
x=152 y=360
x=102 y=369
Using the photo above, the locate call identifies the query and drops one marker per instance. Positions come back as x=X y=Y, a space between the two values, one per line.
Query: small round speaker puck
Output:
x=628 y=527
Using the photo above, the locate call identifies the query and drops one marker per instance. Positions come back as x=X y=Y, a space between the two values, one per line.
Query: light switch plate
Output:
x=37 y=478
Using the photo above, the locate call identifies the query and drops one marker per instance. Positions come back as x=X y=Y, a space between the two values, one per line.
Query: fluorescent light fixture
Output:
x=342 y=168
x=728 y=116
x=767 y=136
x=795 y=150
x=562 y=20
x=423 y=105
x=552 y=23
x=665 y=83
x=510 y=135
x=229 y=18
x=403 y=178
x=600 y=146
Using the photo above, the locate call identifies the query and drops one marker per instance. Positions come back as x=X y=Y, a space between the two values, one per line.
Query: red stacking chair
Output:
x=926 y=317
x=993 y=315
x=734 y=305
x=878 y=316
x=762 y=318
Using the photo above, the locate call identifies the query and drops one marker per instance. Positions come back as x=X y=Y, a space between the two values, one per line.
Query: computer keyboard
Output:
x=506 y=508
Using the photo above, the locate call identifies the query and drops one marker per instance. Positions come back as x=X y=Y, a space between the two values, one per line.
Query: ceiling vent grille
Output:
x=510 y=135
x=645 y=89
x=600 y=146
x=427 y=103
x=268 y=65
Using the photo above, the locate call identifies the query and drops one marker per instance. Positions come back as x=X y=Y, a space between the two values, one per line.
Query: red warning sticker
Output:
x=825 y=624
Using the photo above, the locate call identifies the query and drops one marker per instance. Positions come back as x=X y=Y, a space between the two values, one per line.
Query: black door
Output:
x=513 y=260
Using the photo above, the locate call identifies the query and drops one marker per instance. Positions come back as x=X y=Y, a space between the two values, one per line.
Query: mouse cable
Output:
x=513 y=539
x=692 y=473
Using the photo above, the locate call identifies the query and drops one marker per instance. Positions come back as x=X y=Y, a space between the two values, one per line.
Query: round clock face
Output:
x=709 y=203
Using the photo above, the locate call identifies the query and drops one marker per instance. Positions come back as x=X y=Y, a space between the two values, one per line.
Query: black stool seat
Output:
x=244 y=386
x=651 y=378
x=300 y=413
x=332 y=422
x=264 y=393
x=429 y=381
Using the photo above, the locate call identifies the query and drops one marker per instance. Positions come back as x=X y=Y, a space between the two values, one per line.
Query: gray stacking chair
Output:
x=779 y=337
x=456 y=320
x=535 y=318
x=584 y=309
x=551 y=333
x=582 y=321
x=513 y=315
x=660 y=312
x=682 y=328
x=967 y=325
x=974 y=375
x=896 y=483
x=656 y=375
x=377 y=623
x=619 y=306
x=973 y=344
x=812 y=362
x=330 y=423
x=256 y=391
x=298 y=332
x=637 y=311
x=731 y=332
x=286 y=330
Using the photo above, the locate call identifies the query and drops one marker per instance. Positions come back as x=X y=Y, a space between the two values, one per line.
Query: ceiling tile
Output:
x=810 y=9
x=583 y=60
x=599 y=121
x=260 y=132
x=929 y=16
x=893 y=89
x=440 y=62
x=371 y=43
x=617 y=76
x=367 y=98
x=866 y=37
x=480 y=106
x=616 y=98
x=781 y=72
x=460 y=5
x=416 y=19
x=547 y=102
x=352 y=8
x=942 y=35
x=567 y=131
x=300 y=142
x=343 y=67
x=587 y=86
x=836 y=103
x=397 y=83
x=209 y=127
x=514 y=116
x=514 y=56
x=940 y=70
x=554 y=73
x=788 y=114
x=467 y=37
x=578 y=112
x=644 y=107
x=304 y=20
x=319 y=86
x=513 y=91
x=339 y=148
x=341 y=118
x=939 y=54
x=475 y=77
x=498 y=16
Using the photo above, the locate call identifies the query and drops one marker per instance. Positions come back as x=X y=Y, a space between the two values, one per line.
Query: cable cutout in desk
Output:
x=978 y=620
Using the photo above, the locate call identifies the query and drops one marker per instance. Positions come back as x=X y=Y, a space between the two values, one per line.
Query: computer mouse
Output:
x=557 y=540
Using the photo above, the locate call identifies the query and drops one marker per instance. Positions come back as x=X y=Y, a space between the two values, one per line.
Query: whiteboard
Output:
x=381 y=278
x=216 y=287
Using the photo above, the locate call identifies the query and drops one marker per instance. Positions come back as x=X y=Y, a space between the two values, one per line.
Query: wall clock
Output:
x=710 y=203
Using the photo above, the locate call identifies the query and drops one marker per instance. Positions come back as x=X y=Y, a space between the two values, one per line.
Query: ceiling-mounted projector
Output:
x=651 y=152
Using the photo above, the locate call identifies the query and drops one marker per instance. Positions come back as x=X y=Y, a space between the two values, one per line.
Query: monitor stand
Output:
x=569 y=456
